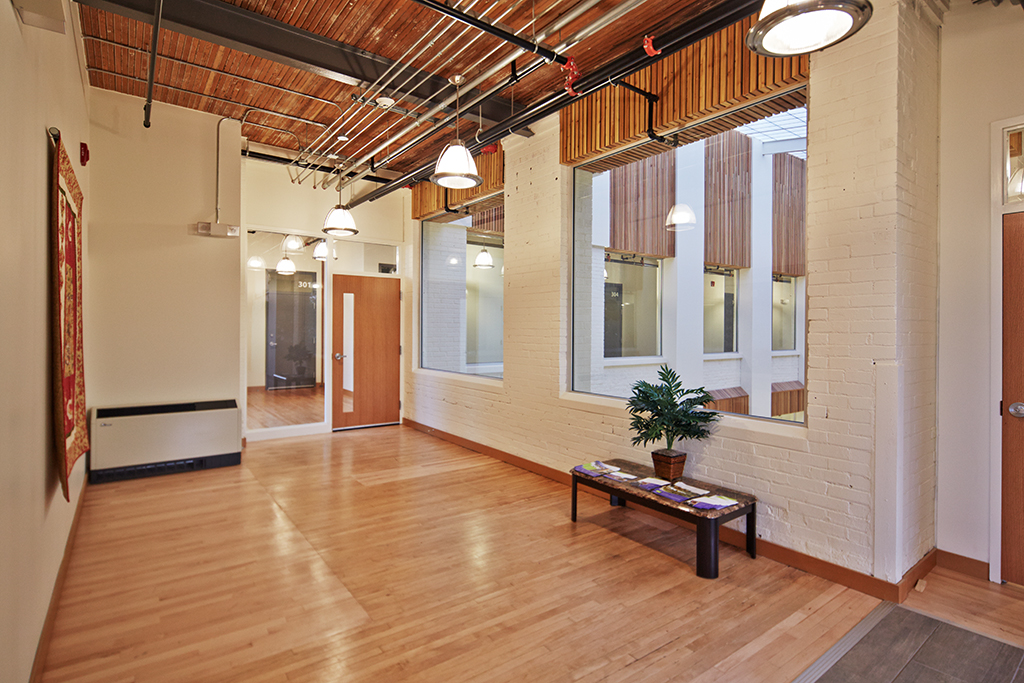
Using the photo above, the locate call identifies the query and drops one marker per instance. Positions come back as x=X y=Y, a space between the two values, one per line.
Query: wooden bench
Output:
x=706 y=521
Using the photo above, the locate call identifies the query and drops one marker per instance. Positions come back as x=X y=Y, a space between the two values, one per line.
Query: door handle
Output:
x=1017 y=409
x=338 y=356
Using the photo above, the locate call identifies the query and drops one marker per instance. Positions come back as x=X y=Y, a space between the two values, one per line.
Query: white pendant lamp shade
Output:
x=681 y=217
x=339 y=222
x=455 y=168
x=483 y=259
x=293 y=244
x=797 y=27
x=285 y=266
x=320 y=251
x=256 y=263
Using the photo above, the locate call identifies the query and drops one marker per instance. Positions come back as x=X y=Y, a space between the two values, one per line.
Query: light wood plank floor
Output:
x=389 y=555
x=283 y=406
x=974 y=604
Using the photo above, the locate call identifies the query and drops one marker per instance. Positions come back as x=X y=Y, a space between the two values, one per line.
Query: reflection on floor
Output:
x=284 y=407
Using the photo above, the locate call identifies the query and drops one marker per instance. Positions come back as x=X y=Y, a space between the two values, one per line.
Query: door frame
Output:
x=998 y=210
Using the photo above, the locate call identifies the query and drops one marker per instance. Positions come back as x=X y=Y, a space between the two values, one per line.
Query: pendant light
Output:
x=797 y=27
x=293 y=244
x=320 y=251
x=681 y=217
x=339 y=221
x=483 y=259
x=455 y=167
x=285 y=266
x=256 y=263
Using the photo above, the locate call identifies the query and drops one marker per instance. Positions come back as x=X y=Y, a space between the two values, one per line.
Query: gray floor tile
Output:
x=918 y=673
x=969 y=657
x=885 y=651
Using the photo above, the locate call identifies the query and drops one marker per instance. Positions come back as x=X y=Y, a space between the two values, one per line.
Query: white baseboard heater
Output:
x=144 y=441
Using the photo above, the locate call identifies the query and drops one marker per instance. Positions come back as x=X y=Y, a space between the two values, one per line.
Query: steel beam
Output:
x=224 y=24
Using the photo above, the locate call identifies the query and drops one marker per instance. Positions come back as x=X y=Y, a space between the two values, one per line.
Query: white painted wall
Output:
x=166 y=304
x=981 y=83
x=41 y=86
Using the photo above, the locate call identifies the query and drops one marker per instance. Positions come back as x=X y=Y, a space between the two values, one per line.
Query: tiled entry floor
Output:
x=895 y=645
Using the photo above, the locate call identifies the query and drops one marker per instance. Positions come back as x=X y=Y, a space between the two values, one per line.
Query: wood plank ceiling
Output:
x=288 y=107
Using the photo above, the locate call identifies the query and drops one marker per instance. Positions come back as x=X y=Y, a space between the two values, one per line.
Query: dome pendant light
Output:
x=339 y=221
x=680 y=218
x=797 y=27
x=455 y=167
x=483 y=259
x=285 y=266
x=320 y=250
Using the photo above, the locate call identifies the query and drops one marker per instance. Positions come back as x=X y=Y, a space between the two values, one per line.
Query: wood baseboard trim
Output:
x=963 y=565
x=58 y=586
x=870 y=585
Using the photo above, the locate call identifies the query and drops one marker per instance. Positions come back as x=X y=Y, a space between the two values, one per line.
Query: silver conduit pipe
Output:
x=726 y=14
x=602 y=22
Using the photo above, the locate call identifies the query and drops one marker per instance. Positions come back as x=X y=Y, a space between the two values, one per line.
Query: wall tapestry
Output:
x=70 y=435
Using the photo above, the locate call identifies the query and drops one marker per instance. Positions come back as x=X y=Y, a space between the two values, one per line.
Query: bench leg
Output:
x=707 y=548
x=574 y=497
x=752 y=531
x=617 y=501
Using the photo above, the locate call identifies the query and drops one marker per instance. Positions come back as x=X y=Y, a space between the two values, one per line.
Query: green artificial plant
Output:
x=668 y=410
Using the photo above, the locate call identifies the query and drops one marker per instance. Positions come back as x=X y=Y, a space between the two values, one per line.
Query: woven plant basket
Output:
x=668 y=463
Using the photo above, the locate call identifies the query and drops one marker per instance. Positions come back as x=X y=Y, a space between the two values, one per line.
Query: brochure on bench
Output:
x=680 y=492
x=651 y=483
x=620 y=476
x=596 y=468
x=713 y=502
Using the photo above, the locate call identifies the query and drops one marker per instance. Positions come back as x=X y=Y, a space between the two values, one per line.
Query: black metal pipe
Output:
x=469 y=20
x=706 y=24
x=154 y=44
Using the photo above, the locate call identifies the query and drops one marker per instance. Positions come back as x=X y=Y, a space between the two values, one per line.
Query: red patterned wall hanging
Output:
x=70 y=435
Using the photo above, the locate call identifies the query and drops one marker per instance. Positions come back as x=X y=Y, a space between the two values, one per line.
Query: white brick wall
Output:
x=871 y=290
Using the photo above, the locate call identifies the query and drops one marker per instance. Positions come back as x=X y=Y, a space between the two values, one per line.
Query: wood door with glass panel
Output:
x=1013 y=399
x=366 y=355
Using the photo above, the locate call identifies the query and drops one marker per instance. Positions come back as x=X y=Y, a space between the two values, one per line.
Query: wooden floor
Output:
x=977 y=605
x=283 y=407
x=388 y=555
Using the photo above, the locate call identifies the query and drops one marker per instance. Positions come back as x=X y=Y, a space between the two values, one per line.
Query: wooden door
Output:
x=1013 y=392
x=365 y=359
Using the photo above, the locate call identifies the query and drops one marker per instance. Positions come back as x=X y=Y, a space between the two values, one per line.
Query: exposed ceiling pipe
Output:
x=554 y=27
x=679 y=38
x=155 y=44
x=487 y=27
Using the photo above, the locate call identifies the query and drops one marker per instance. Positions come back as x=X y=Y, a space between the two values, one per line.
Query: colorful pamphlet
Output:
x=596 y=468
x=671 y=494
x=620 y=476
x=712 y=502
x=651 y=483
x=687 y=490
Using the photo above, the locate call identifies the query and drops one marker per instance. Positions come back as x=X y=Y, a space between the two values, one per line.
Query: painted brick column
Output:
x=872 y=253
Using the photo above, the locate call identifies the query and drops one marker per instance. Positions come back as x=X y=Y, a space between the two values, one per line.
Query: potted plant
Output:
x=669 y=411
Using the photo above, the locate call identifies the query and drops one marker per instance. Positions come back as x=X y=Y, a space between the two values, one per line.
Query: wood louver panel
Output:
x=727 y=161
x=642 y=195
x=788 y=397
x=707 y=79
x=789 y=213
x=428 y=198
x=490 y=220
x=730 y=400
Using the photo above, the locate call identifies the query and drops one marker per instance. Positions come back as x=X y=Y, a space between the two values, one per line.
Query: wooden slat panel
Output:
x=718 y=73
x=428 y=198
x=789 y=212
x=788 y=397
x=727 y=161
x=490 y=220
x=730 y=400
x=642 y=195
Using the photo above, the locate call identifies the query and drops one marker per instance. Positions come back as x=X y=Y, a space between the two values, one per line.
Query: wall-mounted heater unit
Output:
x=143 y=441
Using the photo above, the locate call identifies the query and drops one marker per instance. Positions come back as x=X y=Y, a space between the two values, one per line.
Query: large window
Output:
x=718 y=295
x=462 y=301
